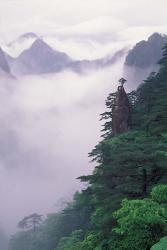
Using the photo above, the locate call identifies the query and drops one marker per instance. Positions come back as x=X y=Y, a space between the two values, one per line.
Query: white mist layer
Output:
x=49 y=124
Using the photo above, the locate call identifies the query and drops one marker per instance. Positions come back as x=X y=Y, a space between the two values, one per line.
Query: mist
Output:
x=49 y=124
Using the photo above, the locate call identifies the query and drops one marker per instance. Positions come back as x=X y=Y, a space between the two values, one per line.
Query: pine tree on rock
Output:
x=121 y=113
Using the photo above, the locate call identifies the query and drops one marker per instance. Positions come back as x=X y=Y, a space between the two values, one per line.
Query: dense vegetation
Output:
x=3 y=239
x=124 y=206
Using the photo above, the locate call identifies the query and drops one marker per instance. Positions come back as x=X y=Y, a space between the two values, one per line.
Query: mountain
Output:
x=40 y=58
x=5 y=72
x=22 y=38
x=18 y=45
x=87 y=65
x=146 y=53
x=3 y=62
x=143 y=58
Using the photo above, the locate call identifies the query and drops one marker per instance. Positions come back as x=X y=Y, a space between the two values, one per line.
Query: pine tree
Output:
x=31 y=222
x=151 y=104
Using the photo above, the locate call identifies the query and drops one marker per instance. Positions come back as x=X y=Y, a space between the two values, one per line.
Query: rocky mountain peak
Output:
x=146 y=53
x=121 y=113
x=39 y=43
x=157 y=36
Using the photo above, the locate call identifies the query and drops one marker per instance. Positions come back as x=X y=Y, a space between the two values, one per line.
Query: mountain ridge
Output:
x=143 y=58
x=41 y=58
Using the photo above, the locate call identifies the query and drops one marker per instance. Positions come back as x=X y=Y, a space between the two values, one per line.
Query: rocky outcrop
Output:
x=143 y=59
x=121 y=113
x=146 y=53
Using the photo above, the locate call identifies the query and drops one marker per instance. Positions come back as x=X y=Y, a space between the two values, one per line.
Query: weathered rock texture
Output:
x=121 y=113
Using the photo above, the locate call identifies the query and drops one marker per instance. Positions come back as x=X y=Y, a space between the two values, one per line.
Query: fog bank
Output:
x=49 y=123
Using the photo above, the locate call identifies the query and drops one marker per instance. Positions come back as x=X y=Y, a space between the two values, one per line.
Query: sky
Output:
x=87 y=22
x=50 y=123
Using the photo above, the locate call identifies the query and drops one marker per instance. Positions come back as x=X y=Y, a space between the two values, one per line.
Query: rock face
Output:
x=5 y=73
x=40 y=58
x=146 y=53
x=143 y=59
x=121 y=113
x=3 y=62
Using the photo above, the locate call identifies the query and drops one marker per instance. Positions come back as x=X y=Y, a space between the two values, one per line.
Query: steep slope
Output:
x=39 y=58
x=18 y=45
x=152 y=101
x=22 y=38
x=5 y=72
x=143 y=58
x=3 y=62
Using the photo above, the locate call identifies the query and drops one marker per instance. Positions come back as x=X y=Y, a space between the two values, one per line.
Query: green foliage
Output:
x=76 y=215
x=3 y=239
x=159 y=194
x=151 y=104
x=21 y=240
x=71 y=242
x=129 y=165
x=107 y=116
x=141 y=223
x=91 y=241
x=162 y=245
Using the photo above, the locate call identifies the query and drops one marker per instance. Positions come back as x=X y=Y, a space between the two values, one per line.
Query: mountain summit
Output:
x=22 y=38
x=143 y=58
x=146 y=53
x=40 y=58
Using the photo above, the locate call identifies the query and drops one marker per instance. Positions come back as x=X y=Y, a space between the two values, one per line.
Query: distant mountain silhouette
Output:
x=3 y=62
x=5 y=72
x=40 y=58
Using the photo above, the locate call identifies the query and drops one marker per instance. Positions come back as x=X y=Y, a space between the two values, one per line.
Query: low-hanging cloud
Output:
x=49 y=123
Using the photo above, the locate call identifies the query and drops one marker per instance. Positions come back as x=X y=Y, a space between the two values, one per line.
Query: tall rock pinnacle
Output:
x=121 y=113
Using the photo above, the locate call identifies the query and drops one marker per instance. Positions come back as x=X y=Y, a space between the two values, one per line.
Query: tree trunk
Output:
x=145 y=183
